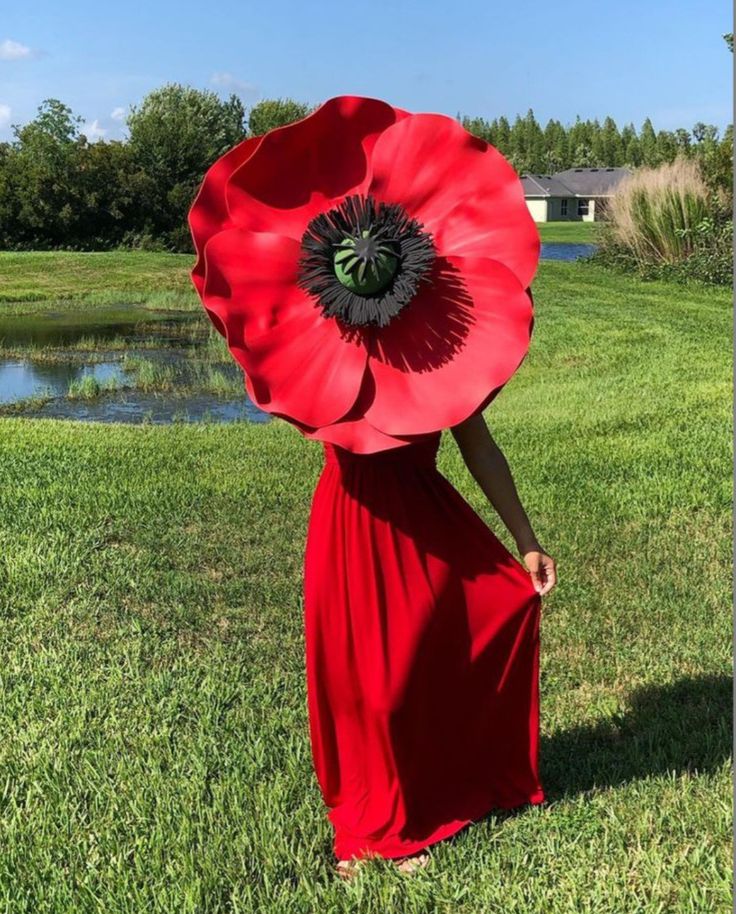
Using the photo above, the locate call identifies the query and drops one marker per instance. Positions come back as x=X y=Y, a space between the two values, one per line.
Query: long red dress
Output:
x=422 y=655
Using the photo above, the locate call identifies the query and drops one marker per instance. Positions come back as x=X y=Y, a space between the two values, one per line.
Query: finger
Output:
x=537 y=580
x=550 y=577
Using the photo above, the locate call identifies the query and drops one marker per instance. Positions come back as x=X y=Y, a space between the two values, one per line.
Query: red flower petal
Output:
x=458 y=341
x=250 y=282
x=466 y=194
x=208 y=214
x=300 y=169
x=355 y=434
x=298 y=363
x=303 y=369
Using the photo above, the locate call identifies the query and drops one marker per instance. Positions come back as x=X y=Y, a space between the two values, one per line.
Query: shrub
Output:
x=665 y=223
x=655 y=211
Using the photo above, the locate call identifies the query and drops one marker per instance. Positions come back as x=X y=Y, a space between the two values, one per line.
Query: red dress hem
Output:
x=346 y=850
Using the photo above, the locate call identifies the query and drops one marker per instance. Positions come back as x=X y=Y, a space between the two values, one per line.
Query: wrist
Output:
x=527 y=542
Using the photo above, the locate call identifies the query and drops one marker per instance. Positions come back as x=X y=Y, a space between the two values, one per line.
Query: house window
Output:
x=582 y=207
x=563 y=207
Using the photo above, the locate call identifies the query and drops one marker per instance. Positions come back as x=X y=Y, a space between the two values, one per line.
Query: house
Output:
x=576 y=194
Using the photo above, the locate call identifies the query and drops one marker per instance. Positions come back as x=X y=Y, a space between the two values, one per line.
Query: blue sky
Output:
x=665 y=60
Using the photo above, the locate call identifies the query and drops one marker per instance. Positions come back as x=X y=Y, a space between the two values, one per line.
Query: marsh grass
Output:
x=86 y=349
x=151 y=376
x=212 y=349
x=221 y=384
x=89 y=388
x=183 y=379
x=36 y=401
x=51 y=354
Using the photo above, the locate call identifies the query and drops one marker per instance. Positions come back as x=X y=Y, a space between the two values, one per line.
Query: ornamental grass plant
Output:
x=655 y=210
x=666 y=222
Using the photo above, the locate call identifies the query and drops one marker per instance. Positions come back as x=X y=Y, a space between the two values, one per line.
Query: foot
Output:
x=412 y=864
x=348 y=869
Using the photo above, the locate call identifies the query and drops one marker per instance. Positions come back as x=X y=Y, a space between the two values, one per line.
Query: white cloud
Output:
x=230 y=82
x=5 y=113
x=117 y=114
x=14 y=50
x=93 y=131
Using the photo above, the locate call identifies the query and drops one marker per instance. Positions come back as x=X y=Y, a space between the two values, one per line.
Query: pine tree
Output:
x=648 y=144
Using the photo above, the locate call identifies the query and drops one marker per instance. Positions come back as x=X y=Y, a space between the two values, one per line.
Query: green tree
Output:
x=580 y=144
x=534 y=141
x=715 y=156
x=611 y=147
x=478 y=126
x=648 y=143
x=555 y=140
x=39 y=187
x=502 y=135
x=176 y=133
x=111 y=190
x=667 y=145
x=682 y=141
x=630 y=146
x=275 y=112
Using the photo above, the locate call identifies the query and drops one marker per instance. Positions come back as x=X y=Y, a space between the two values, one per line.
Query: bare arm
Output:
x=487 y=464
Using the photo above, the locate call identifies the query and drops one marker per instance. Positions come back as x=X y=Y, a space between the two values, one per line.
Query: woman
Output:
x=422 y=648
x=371 y=272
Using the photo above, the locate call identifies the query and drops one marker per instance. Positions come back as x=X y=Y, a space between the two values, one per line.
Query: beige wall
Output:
x=538 y=209
x=548 y=209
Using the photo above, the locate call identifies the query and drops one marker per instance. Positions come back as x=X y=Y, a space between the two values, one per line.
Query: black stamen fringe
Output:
x=414 y=249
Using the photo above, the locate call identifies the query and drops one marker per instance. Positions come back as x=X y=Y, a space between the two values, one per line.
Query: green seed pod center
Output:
x=365 y=264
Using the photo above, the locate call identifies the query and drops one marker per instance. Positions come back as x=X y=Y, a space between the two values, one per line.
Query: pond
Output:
x=553 y=250
x=21 y=379
x=136 y=407
x=125 y=364
x=128 y=363
x=52 y=328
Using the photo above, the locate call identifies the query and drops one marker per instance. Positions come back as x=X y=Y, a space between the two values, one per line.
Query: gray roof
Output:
x=544 y=186
x=574 y=182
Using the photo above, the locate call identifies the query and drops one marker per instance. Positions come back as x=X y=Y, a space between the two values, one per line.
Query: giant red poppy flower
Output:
x=370 y=270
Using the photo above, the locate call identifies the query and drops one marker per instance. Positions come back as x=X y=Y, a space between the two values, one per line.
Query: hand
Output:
x=542 y=569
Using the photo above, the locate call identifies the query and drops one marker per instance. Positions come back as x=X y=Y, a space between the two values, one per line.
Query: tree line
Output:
x=58 y=189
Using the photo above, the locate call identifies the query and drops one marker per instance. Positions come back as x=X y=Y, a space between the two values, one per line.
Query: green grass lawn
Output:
x=572 y=232
x=29 y=280
x=155 y=753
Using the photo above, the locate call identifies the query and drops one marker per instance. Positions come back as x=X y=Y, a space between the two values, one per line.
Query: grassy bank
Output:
x=29 y=280
x=570 y=232
x=156 y=754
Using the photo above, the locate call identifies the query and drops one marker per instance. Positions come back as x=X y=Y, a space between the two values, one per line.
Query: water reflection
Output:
x=132 y=322
x=20 y=379
x=566 y=250
x=49 y=373
x=136 y=407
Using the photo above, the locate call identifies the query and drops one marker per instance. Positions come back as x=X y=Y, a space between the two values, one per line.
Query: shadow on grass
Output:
x=683 y=727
